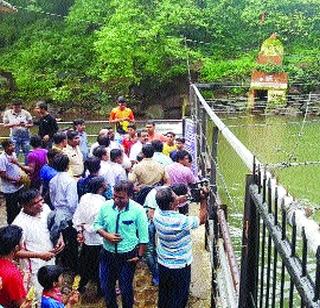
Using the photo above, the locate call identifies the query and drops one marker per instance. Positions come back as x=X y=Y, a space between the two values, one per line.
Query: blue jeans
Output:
x=115 y=267
x=151 y=253
x=21 y=142
x=174 y=287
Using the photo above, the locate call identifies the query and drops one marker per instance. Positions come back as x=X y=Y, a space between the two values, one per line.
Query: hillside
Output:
x=85 y=52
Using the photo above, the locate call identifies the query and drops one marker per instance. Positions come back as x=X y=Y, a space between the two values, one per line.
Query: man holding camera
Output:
x=174 y=249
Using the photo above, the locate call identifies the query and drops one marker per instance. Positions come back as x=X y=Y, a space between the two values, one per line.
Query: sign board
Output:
x=191 y=143
x=262 y=80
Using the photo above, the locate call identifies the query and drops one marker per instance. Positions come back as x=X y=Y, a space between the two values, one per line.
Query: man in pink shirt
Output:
x=180 y=172
x=152 y=134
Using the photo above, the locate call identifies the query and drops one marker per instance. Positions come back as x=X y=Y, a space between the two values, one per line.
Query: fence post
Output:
x=250 y=253
x=213 y=183
x=214 y=153
x=203 y=147
x=203 y=129
x=213 y=215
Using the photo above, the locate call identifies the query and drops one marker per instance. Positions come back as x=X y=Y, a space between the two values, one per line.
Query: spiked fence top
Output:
x=6 y=7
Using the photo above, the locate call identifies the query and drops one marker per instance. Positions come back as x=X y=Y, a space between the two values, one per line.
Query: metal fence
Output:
x=274 y=262
x=225 y=272
x=279 y=281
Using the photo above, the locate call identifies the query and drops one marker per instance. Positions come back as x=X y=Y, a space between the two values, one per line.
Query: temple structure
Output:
x=269 y=83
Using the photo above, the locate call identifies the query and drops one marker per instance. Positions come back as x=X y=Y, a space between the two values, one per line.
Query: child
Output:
x=51 y=279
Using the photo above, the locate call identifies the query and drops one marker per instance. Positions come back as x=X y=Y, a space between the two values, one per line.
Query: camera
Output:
x=196 y=188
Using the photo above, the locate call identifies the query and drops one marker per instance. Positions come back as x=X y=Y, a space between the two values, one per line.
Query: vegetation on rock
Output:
x=87 y=51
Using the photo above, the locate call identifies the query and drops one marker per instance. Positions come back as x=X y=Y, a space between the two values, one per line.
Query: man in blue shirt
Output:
x=79 y=126
x=158 y=156
x=123 y=225
x=174 y=249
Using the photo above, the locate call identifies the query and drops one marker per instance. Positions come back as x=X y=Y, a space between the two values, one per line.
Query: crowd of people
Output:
x=94 y=211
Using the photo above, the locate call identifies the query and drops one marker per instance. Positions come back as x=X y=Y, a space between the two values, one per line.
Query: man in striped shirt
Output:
x=174 y=249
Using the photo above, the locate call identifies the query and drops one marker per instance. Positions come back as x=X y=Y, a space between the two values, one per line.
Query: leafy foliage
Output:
x=87 y=51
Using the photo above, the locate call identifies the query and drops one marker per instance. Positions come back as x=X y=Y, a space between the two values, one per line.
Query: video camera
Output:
x=196 y=188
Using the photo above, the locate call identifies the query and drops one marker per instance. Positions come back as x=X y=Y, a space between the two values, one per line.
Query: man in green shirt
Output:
x=123 y=225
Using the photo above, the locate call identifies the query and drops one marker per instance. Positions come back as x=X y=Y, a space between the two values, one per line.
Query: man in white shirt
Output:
x=64 y=198
x=37 y=248
x=19 y=121
x=113 y=171
x=126 y=163
x=10 y=179
x=102 y=139
x=83 y=219
x=137 y=147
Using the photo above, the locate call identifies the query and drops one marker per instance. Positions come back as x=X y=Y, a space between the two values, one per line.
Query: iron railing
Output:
x=274 y=266
x=225 y=272
x=280 y=264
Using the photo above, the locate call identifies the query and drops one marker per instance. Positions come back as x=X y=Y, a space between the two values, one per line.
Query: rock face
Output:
x=166 y=101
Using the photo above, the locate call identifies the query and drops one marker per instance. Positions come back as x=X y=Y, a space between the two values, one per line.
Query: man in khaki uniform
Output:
x=148 y=171
x=73 y=151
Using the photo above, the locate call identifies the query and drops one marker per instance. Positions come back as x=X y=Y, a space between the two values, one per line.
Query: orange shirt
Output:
x=118 y=114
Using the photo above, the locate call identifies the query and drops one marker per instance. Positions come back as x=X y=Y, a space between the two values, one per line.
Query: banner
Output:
x=191 y=143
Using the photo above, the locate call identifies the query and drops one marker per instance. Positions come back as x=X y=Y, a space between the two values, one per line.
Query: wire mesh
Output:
x=287 y=145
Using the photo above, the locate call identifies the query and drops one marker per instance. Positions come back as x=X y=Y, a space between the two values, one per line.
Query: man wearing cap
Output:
x=121 y=116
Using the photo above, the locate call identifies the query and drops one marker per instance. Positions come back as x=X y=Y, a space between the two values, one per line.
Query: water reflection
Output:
x=272 y=139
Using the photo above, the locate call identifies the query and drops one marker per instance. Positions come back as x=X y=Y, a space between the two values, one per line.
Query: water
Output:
x=272 y=139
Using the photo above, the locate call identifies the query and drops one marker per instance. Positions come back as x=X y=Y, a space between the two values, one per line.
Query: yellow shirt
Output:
x=167 y=149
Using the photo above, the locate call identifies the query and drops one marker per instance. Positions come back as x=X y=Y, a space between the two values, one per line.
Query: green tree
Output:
x=83 y=52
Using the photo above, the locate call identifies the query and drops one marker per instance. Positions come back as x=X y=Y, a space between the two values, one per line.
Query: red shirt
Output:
x=127 y=144
x=12 y=284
